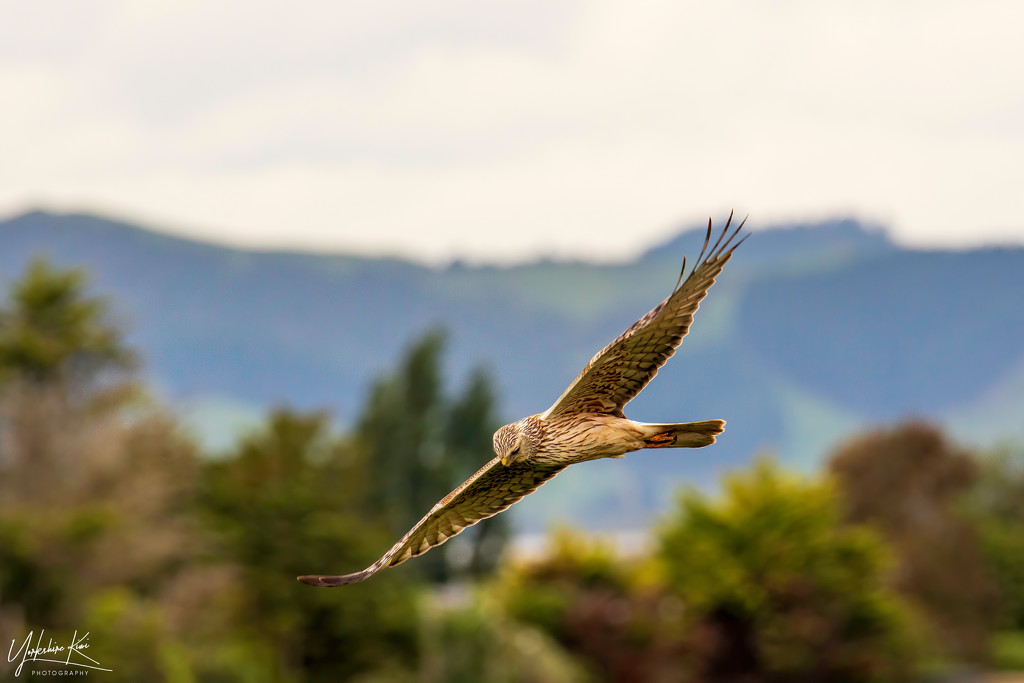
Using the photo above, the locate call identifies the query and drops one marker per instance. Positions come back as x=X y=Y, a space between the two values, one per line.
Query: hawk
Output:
x=585 y=423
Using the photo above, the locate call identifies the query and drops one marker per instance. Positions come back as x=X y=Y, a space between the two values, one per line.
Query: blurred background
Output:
x=272 y=275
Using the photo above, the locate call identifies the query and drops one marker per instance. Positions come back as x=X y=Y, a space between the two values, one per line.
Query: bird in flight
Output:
x=585 y=423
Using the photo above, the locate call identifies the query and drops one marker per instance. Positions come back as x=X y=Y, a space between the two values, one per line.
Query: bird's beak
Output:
x=504 y=461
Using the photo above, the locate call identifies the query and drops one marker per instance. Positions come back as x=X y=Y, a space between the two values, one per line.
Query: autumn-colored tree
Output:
x=597 y=606
x=908 y=482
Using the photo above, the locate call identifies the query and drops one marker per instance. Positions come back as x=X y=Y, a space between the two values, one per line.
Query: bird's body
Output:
x=574 y=438
x=585 y=423
x=578 y=437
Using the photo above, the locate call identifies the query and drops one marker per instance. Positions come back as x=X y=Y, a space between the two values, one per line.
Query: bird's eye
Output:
x=516 y=451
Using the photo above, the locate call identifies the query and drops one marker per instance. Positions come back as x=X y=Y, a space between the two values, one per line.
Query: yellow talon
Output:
x=504 y=461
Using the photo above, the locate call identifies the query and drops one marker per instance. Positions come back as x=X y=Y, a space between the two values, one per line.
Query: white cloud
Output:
x=509 y=129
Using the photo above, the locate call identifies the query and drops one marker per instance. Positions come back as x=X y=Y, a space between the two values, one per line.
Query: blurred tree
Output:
x=907 y=482
x=94 y=491
x=76 y=478
x=182 y=569
x=468 y=638
x=995 y=506
x=419 y=445
x=776 y=588
x=292 y=500
x=471 y=424
x=53 y=335
x=604 y=611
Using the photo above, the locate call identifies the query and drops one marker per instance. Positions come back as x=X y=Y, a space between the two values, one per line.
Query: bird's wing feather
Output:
x=618 y=372
x=492 y=489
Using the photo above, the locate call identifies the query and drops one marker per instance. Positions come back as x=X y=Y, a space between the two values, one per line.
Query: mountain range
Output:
x=812 y=333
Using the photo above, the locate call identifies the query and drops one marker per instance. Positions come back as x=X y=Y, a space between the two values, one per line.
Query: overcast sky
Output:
x=500 y=130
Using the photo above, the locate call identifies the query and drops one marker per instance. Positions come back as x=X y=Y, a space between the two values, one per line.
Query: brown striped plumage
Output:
x=585 y=423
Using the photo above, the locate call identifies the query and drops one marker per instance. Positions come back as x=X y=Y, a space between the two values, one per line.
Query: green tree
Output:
x=475 y=640
x=777 y=588
x=995 y=505
x=70 y=471
x=95 y=492
x=419 y=444
x=471 y=423
x=291 y=500
x=52 y=334
x=909 y=483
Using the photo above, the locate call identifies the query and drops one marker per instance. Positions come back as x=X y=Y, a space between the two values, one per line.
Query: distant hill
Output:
x=812 y=332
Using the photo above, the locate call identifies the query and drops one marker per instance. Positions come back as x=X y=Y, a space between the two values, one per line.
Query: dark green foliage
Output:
x=400 y=430
x=471 y=423
x=290 y=501
x=776 y=588
x=418 y=445
x=996 y=504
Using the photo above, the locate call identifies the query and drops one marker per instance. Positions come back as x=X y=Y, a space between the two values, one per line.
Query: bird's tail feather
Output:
x=685 y=435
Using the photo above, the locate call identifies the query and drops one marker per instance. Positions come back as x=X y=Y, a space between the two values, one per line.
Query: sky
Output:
x=507 y=130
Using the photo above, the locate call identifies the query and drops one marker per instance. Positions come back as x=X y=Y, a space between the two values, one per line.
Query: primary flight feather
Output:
x=585 y=423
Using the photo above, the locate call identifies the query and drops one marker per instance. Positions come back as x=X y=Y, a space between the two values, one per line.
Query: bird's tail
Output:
x=685 y=435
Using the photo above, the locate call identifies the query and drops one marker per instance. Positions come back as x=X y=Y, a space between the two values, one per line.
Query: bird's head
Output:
x=511 y=443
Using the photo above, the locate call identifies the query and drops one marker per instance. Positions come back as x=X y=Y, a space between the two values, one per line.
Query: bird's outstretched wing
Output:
x=492 y=489
x=618 y=372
